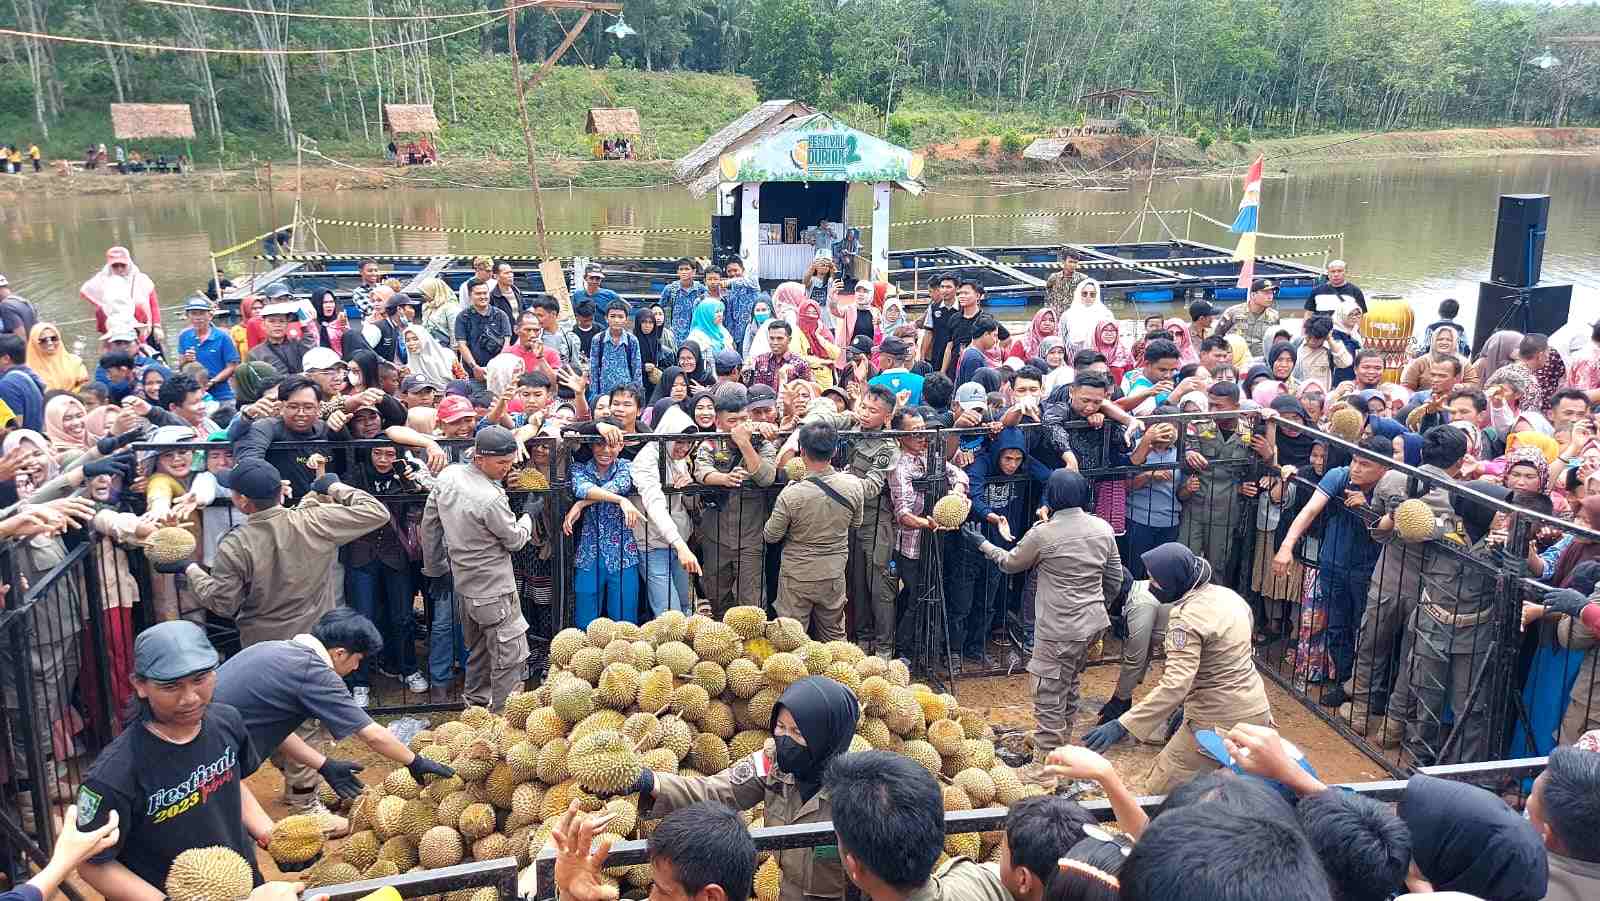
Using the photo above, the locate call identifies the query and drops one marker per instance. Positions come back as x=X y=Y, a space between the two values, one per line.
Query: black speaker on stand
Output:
x=1512 y=298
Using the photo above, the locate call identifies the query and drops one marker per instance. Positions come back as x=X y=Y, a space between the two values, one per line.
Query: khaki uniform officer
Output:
x=1210 y=670
x=1078 y=569
x=733 y=560
x=816 y=515
x=469 y=533
x=812 y=723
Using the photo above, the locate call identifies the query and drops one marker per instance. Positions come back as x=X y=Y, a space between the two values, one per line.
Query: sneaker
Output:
x=333 y=825
x=362 y=694
x=416 y=683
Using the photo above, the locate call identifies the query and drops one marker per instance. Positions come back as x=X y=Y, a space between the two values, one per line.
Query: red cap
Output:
x=454 y=407
x=118 y=254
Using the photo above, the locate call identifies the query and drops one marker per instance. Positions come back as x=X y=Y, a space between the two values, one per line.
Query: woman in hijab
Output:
x=760 y=315
x=706 y=328
x=1041 y=327
x=330 y=324
x=252 y=380
x=1086 y=312
x=852 y=315
x=426 y=357
x=121 y=293
x=815 y=344
x=1466 y=839
x=813 y=722
x=66 y=425
x=1313 y=397
x=44 y=468
x=1498 y=352
x=692 y=363
x=51 y=362
x=649 y=335
x=1281 y=359
x=674 y=385
x=1108 y=342
x=1278 y=499
x=1180 y=336
x=440 y=306
x=1442 y=346
x=894 y=321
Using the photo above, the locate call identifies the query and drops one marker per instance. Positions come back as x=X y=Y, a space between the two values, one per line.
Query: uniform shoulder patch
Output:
x=1177 y=638
x=884 y=458
x=752 y=766
x=88 y=806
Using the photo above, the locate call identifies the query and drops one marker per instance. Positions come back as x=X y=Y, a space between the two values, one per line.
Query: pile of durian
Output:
x=680 y=694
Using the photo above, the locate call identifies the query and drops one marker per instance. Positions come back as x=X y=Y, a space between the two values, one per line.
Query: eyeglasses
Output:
x=49 y=339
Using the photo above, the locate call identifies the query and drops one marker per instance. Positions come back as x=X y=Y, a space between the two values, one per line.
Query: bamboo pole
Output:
x=527 y=132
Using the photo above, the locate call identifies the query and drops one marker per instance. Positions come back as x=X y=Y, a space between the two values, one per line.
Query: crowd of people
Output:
x=351 y=451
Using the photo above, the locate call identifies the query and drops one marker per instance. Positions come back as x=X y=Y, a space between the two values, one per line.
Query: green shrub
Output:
x=983 y=147
x=1011 y=143
x=1203 y=137
x=899 y=131
x=1133 y=128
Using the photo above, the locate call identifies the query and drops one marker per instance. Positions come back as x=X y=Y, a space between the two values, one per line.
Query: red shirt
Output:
x=530 y=358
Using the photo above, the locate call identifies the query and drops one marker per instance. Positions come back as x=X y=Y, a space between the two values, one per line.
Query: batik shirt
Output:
x=908 y=497
x=604 y=533
x=679 y=302
x=613 y=363
x=738 y=299
x=765 y=370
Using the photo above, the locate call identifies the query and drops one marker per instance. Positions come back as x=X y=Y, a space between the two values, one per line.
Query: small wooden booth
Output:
x=782 y=174
x=615 y=131
x=412 y=128
x=153 y=121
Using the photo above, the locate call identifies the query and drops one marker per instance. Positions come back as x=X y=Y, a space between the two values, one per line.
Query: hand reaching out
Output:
x=580 y=856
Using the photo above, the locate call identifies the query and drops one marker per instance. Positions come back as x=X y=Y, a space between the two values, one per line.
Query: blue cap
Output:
x=197 y=303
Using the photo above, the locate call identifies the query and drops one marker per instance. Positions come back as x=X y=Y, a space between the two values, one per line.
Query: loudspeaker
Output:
x=1519 y=239
x=1541 y=308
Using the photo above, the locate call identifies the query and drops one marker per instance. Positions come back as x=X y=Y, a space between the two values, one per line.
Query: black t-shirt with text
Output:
x=171 y=797
x=940 y=320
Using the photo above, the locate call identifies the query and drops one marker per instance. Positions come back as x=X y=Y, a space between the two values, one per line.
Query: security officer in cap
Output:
x=283 y=351
x=175 y=776
x=816 y=514
x=469 y=534
x=1210 y=672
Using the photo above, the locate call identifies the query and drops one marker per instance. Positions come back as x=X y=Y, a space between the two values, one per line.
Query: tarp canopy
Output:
x=138 y=121
x=821 y=148
x=410 y=119
x=613 y=121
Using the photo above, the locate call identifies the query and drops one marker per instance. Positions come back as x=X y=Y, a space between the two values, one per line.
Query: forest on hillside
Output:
x=1214 y=67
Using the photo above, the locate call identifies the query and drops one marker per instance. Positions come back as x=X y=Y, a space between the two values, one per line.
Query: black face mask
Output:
x=793 y=757
x=1164 y=594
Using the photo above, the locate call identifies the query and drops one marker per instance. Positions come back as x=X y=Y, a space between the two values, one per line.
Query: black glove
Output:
x=341 y=777
x=1102 y=737
x=1565 y=600
x=324 y=482
x=173 y=567
x=972 y=536
x=120 y=465
x=421 y=766
x=110 y=444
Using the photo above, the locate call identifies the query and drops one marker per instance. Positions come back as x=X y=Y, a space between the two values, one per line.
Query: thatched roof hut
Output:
x=410 y=119
x=140 y=121
x=1046 y=149
x=622 y=120
x=699 y=167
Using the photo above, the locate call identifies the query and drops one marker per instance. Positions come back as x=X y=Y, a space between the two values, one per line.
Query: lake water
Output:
x=1419 y=228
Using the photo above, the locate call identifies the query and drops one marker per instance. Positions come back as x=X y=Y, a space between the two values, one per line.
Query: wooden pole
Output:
x=527 y=131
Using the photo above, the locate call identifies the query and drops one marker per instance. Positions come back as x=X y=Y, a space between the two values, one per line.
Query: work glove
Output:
x=1565 y=600
x=172 y=567
x=341 y=777
x=971 y=535
x=421 y=766
x=120 y=465
x=645 y=784
x=324 y=482
x=1102 y=737
x=110 y=444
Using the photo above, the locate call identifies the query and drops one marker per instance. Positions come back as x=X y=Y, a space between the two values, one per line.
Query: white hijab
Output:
x=430 y=360
x=1078 y=321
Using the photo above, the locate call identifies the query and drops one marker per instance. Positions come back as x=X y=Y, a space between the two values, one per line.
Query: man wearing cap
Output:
x=481 y=332
x=591 y=291
x=1202 y=315
x=468 y=535
x=175 y=777
x=17 y=314
x=286 y=354
x=614 y=355
x=271 y=574
x=456 y=417
x=894 y=354
x=417 y=391
x=815 y=517
x=732 y=526
x=200 y=343
x=125 y=340
x=1256 y=316
x=726 y=363
x=1062 y=286
x=282 y=687
x=1332 y=290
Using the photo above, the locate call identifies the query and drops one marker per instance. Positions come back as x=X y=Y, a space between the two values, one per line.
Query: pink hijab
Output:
x=1180 y=335
x=1108 y=340
x=1038 y=330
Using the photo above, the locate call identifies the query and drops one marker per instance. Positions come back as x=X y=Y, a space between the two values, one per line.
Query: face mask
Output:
x=793 y=757
x=1164 y=594
x=762 y=317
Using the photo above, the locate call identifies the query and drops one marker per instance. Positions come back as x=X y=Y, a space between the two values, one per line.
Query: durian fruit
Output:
x=439 y=789
x=644 y=655
x=566 y=643
x=402 y=784
x=546 y=725
x=587 y=663
x=500 y=783
x=872 y=665
x=858 y=744
x=490 y=847
x=717 y=642
x=361 y=848
x=655 y=688
x=643 y=730
x=768 y=880
x=639 y=876
x=296 y=840
x=690 y=701
x=904 y=714
x=209 y=874
x=671 y=626
x=381 y=869
x=401 y=850
x=523 y=759
x=760 y=706
x=844 y=674
x=950 y=511
x=417 y=817
x=981 y=753
x=747 y=742
x=557 y=799
x=744 y=678
x=618 y=687
x=525 y=802
x=977 y=784
x=783 y=669
x=964 y=844
x=748 y=621
x=933 y=706
x=1007 y=787
x=519 y=705
x=476 y=821
x=476 y=716
x=599 y=721
x=600 y=631
x=169 y=544
x=795 y=469
x=786 y=633
x=847 y=652
x=709 y=753
x=676 y=735
x=972 y=723
x=441 y=846
x=758 y=650
x=718 y=720
x=876 y=732
x=605 y=763
x=329 y=871
x=329 y=798
x=1414 y=520
x=707 y=675
x=625 y=815
x=450 y=808
x=677 y=656
x=1346 y=423
x=947 y=737
x=386 y=817
x=816 y=657
x=620 y=650
x=572 y=699
x=955 y=798
x=553 y=762
x=924 y=754
x=661 y=760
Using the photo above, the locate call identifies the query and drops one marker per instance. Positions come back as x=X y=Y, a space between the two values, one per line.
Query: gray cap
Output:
x=495 y=441
x=278 y=289
x=167 y=652
x=197 y=303
x=971 y=396
x=727 y=361
x=761 y=395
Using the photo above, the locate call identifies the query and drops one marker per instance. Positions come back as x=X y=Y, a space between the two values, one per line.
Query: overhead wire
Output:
x=290 y=14
x=245 y=51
